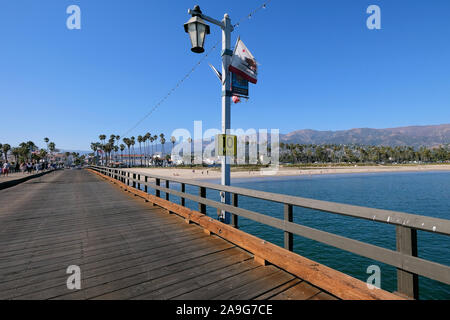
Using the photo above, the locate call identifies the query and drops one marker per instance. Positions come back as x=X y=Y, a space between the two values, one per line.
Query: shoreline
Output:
x=207 y=173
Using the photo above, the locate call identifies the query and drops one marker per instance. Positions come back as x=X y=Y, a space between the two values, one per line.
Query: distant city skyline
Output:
x=321 y=68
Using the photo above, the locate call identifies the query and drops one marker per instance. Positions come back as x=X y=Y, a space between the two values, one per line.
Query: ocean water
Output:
x=424 y=193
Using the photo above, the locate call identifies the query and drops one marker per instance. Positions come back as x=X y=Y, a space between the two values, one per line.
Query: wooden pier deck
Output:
x=126 y=248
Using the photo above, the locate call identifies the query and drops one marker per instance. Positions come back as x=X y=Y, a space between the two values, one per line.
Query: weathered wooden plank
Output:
x=255 y=288
x=234 y=217
x=301 y=291
x=407 y=282
x=279 y=289
x=288 y=237
x=92 y=277
x=215 y=289
x=124 y=259
x=113 y=281
x=110 y=255
x=323 y=296
x=181 y=282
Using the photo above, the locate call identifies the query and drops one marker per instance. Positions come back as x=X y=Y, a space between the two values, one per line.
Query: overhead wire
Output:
x=188 y=74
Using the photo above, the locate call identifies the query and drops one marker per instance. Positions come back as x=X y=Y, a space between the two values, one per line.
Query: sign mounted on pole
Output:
x=243 y=63
x=239 y=85
x=226 y=145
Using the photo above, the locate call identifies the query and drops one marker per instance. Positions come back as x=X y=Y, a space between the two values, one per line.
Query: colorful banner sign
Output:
x=243 y=63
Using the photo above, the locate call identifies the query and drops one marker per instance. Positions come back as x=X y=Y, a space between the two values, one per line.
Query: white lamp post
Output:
x=198 y=30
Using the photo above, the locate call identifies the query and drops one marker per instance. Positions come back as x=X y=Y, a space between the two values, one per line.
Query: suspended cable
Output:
x=186 y=76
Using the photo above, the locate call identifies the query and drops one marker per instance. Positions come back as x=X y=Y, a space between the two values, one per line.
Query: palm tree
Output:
x=116 y=149
x=102 y=138
x=147 y=138
x=127 y=141
x=144 y=140
x=151 y=143
x=189 y=140
x=163 y=141
x=133 y=141
x=24 y=150
x=46 y=140
x=108 y=148
x=6 y=147
x=155 y=139
x=117 y=140
x=16 y=153
x=43 y=153
x=173 y=140
x=31 y=146
x=140 y=139
x=52 y=147
x=122 y=147
x=94 y=147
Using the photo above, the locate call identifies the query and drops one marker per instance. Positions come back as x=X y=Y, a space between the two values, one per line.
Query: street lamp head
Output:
x=196 y=11
x=197 y=30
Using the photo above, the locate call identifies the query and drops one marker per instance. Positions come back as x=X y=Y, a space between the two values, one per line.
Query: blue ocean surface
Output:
x=424 y=193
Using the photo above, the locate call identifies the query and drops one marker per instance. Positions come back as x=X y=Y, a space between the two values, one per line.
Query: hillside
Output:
x=416 y=136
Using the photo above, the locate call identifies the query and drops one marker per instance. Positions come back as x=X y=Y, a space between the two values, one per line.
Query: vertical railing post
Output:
x=234 y=217
x=128 y=178
x=158 y=192
x=167 y=186
x=145 y=187
x=407 y=282
x=134 y=180
x=202 y=206
x=139 y=179
x=288 y=237
x=183 y=189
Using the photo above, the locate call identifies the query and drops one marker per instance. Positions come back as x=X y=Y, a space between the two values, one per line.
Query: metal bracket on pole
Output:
x=209 y=19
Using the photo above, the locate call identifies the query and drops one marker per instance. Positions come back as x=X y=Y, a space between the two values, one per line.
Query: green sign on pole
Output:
x=226 y=145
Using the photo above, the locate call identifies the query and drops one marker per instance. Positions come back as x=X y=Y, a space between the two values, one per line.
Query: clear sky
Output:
x=320 y=67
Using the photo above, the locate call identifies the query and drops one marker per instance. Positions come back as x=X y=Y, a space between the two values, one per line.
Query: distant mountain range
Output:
x=416 y=136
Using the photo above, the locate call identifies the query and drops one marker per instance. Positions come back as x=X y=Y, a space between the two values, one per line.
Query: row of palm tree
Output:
x=333 y=153
x=27 y=151
x=110 y=150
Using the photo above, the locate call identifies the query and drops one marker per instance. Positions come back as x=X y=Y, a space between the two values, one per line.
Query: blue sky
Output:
x=320 y=67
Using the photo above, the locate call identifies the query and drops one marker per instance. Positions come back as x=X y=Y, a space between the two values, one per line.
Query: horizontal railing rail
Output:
x=405 y=258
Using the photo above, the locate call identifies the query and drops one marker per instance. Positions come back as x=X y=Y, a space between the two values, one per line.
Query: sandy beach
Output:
x=208 y=173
